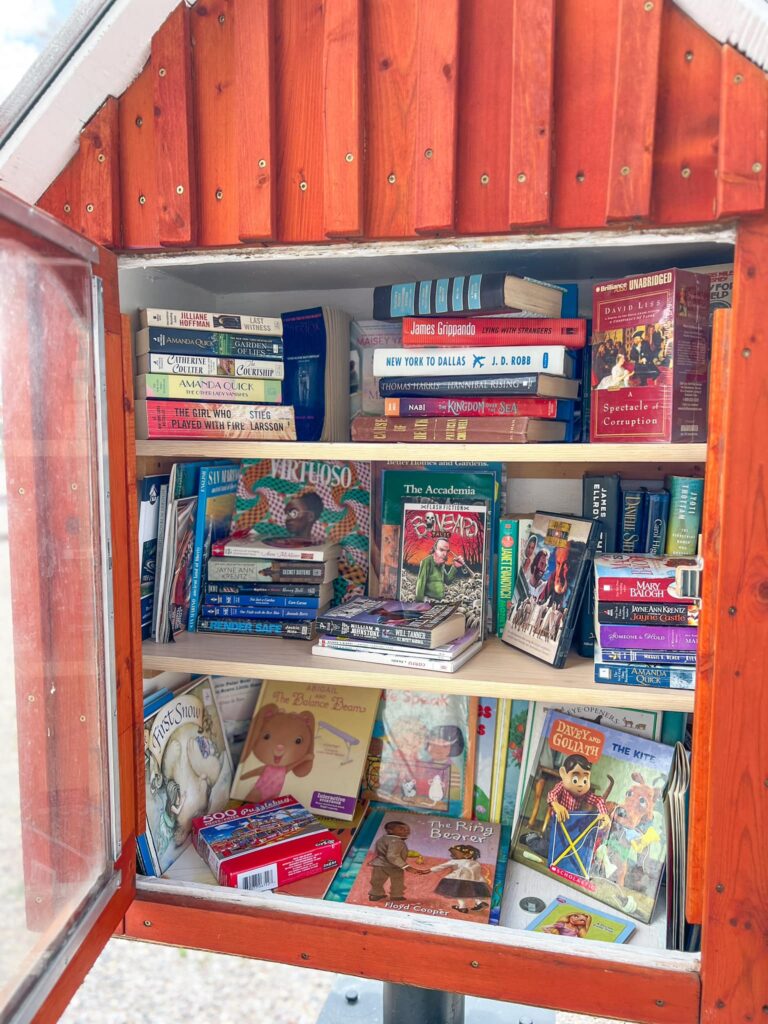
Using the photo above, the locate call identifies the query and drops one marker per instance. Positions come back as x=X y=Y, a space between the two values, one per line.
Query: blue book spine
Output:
x=657 y=514
x=304 y=341
x=300 y=630
x=217 y=611
x=646 y=675
x=570 y=307
x=499 y=877
x=145 y=855
x=261 y=601
x=631 y=533
x=629 y=656
x=216 y=494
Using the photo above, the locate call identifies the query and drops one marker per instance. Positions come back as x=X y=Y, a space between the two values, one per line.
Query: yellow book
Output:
x=499 y=770
x=207 y=389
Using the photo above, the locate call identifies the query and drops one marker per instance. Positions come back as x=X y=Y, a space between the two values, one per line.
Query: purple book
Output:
x=650 y=638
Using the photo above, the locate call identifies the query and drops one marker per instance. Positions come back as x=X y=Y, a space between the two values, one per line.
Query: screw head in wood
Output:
x=162 y=72
x=101 y=158
x=139 y=121
x=82 y=718
x=689 y=55
x=305 y=956
x=262 y=164
x=719 y=887
x=580 y=176
x=757 y=167
x=349 y=158
x=179 y=190
x=391 y=178
x=67 y=208
x=222 y=19
x=648 y=5
x=746 y=352
x=142 y=200
x=429 y=153
x=303 y=186
x=624 y=171
x=738 y=79
x=474 y=963
x=219 y=194
x=522 y=177
x=484 y=179
x=660 y=1002
x=89 y=207
x=147 y=924
x=686 y=172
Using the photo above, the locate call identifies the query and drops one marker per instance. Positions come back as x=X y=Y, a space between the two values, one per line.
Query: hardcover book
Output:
x=575 y=920
x=600 y=501
x=545 y=385
x=210 y=366
x=492 y=331
x=325 y=502
x=446 y=362
x=317 y=372
x=365 y=337
x=239 y=611
x=467 y=295
x=236 y=323
x=215 y=505
x=308 y=740
x=656 y=520
x=685 y=509
x=440 y=867
x=632 y=530
x=405 y=623
x=188 y=770
x=422 y=753
x=649 y=358
x=491 y=429
x=158 y=418
x=558 y=552
x=593 y=813
x=208 y=389
x=176 y=342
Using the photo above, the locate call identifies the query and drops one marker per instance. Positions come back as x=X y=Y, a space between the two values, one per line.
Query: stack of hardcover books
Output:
x=464 y=375
x=646 y=630
x=210 y=375
x=273 y=586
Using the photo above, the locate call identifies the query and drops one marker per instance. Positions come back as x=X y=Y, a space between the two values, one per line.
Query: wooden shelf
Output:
x=592 y=454
x=497 y=671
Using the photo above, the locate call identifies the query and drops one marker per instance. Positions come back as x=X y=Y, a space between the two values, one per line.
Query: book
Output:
x=667 y=676
x=650 y=346
x=550 y=585
x=443 y=557
x=188 y=769
x=175 y=342
x=486 y=738
x=593 y=812
x=543 y=385
x=514 y=751
x=639 y=578
x=506 y=569
x=276 y=592
x=208 y=389
x=365 y=337
x=327 y=501
x=685 y=509
x=492 y=430
x=161 y=521
x=404 y=623
x=309 y=740
x=215 y=505
x=564 y=916
x=656 y=519
x=422 y=752
x=499 y=769
x=234 y=323
x=159 y=418
x=317 y=372
x=398 y=657
x=236 y=698
x=447 y=362
x=653 y=638
x=316 y=886
x=439 y=867
x=261 y=846
x=632 y=529
x=446 y=652
x=303 y=629
x=631 y=656
x=263 y=601
x=289 y=549
x=241 y=571
x=236 y=611
x=493 y=331
x=651 y=613
x=465 y=295
x=537 y=408
x=149 y=515
x=209 y=366
x=599 y=501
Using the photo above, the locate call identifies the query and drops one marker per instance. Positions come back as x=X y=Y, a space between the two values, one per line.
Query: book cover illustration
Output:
x=442 y=867
x=407 y=624
x=310 y=500
x=593 y=812
x=308 y=740
x=556 y=557
x=236 y=698
x=575 y=920
x=443 y=557
x=188 y=769
x=422 y=752
x=316 y=886
x=149 y=524
x=215 y=505
x=515 y=742
x=486 y=739
x=183 y=537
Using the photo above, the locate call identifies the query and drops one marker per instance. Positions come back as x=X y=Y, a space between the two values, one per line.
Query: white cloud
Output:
x=24 y=30
x=15 y=58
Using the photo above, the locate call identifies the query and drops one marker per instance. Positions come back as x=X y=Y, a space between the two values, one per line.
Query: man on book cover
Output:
x=390 y=862
x=435 y=573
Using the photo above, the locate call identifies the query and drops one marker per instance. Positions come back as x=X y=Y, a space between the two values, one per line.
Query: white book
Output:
x=400 y=660
x=445 y=653
x=231 y=323
x=283 y=548
x=478 y=362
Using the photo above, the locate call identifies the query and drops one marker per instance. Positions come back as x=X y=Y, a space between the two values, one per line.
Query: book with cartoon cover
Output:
x=422 y=752
x=575 y=920
x=592 y=814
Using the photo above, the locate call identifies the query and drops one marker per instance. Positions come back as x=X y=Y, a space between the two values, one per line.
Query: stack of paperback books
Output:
x=210 y=375
x=273 y=586
x=463 y=375
x=646 y=631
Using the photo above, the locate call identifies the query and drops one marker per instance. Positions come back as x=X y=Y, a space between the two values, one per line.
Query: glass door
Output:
x=59 y=805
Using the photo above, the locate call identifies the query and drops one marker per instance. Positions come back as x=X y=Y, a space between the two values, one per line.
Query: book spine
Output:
x=259 y=601
x=208 y=389
x=647 y=613
x=236 y=323
x=585 y=401
x=448 y=387
x=214 y=366
x=395 y=362
x=654 y=638
x=630 y=657
x=376 y=632
x=539 y=408
x=196 y=566
x=686 y=495
x=632 y=520
x=600 y=501
x=473 y=293
x=231 y=549
x=236 y=611
x=158 y=418
x=506 y=569
x=162 y=515
x=211 y=343
x=388 y=658
x=300 y=630
x=646 y=675
x=420 y=332
x=656 y=517
x=637 y=588
x=496 y=429
x=266 y=590
x=223 y=570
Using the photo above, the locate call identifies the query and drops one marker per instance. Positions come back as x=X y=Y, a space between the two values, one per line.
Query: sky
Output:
x=25 y=29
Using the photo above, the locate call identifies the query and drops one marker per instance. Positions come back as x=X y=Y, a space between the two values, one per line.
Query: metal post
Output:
x=404 y=1004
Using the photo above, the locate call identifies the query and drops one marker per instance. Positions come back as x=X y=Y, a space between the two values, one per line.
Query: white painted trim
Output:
x=104 y=65
x=743 y=23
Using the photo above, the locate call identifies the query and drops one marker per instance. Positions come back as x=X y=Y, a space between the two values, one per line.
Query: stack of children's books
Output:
x=458 y=373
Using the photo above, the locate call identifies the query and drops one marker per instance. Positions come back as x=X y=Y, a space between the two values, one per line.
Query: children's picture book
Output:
x=309 y=740
x=441 y=867
x=557 y=556
x=406 y=623
x=182 y=539
x=188 y=769
x=215 y=505
x=592 y=814
x=236 y=698
x=316 y=886
x=149 y=520
x=484 y=756
x=575 y=920
x=307 y=499
x=443 y=557
x=515 y=741
x=422 y=753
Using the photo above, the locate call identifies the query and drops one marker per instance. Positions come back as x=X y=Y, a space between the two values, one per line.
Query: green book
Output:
x=506 y=568
x=685 y=505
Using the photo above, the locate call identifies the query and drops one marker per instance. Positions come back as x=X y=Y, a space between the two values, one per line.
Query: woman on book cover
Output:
x=465 y=882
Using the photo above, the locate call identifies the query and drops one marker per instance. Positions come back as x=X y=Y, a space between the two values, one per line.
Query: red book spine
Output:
x=637 y=588
x=540 y=408
x=158 y=418
x=490 y=331
x=495 y=429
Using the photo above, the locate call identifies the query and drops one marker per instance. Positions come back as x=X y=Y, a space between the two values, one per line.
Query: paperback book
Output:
x=365 y=337
x=447 y=430
x=397 y=656
x=236 y=323
x=158 y=418
x=291 y=549
x=149 y=520
x=259 y=571
x=215 y=505
x=536 y=408
x=210 y=366
x=493 y=331
x=543 y=385
x=571 y=919
x=316 y=886
x=406 y=623
x=446 y=362
x=208 y=389
x=639 y=578
x=198 y=342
